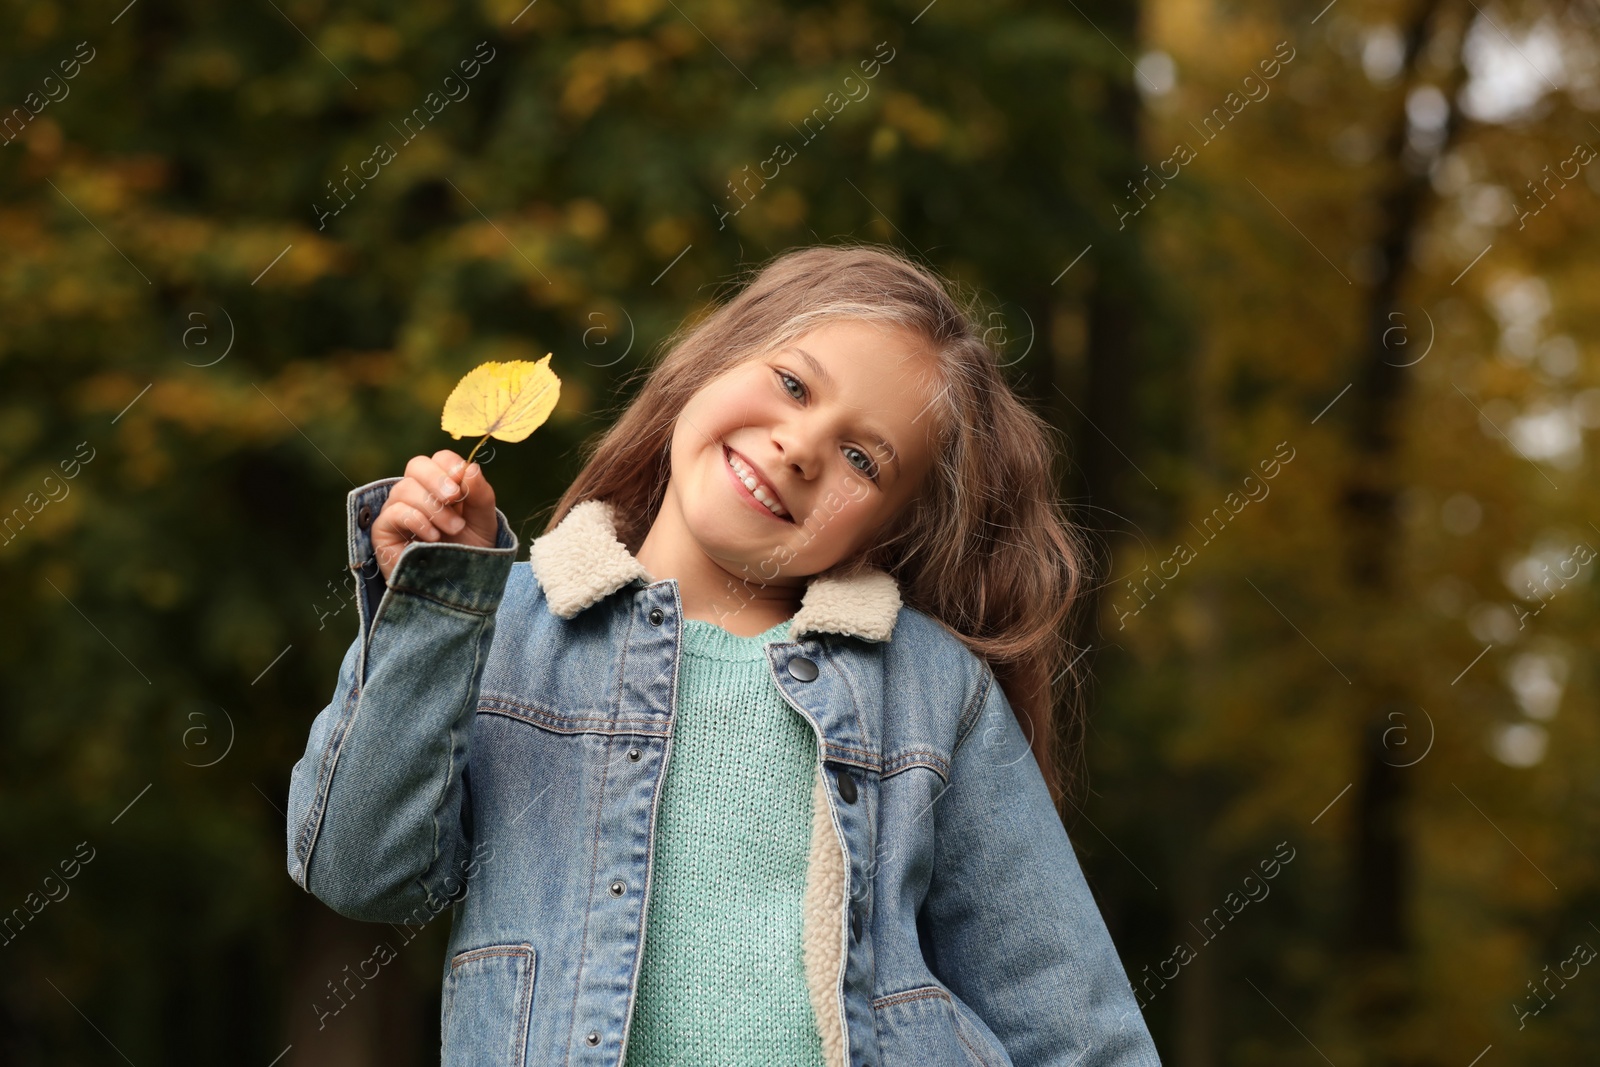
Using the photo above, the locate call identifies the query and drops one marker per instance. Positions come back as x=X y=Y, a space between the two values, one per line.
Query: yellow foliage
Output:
x=96 y=193
x=630 y=14
x=556 y=289
x=204 y=65
x=675 y=39
x=39 y=21
x=158 y=587
x=309 y=259
x=667 y=237
x=574 y=401
x=371 y=40
x=786 y=208
x=44 y=138
x=591 y=72
x=70 y=295
x=631 y=58
x=924 y=127
x=378 y=42
x=214 y=67
x=586 y=218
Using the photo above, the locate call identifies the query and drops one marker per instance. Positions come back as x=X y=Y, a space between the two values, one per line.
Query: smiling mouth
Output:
x=763 y=493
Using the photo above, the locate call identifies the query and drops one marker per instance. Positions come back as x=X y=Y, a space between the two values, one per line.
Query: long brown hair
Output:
x=985 y=548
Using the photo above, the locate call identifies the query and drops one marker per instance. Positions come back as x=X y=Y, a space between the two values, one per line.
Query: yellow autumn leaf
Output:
x=506 y=401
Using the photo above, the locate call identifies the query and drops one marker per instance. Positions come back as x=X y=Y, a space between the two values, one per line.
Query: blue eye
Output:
x=871 y=470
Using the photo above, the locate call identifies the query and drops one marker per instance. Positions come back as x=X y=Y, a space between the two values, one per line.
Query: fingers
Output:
x=438 y=499
x=439 y=474
x=440 y=514
x=478 y=506
x=463 y=489
x=410 y=521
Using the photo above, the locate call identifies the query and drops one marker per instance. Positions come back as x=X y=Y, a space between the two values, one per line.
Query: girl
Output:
x=729 y=771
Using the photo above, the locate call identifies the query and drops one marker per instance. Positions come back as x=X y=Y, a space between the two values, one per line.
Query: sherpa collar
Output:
x=581 y=561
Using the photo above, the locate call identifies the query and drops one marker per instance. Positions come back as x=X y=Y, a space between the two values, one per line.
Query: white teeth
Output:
x=747 y=476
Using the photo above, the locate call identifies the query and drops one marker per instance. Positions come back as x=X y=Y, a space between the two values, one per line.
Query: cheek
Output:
x=857 y=489
x=844 y=520
x=701 y=422
x=859 y=528
x=719 y=409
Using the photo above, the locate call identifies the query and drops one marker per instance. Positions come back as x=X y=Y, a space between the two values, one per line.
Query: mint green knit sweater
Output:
x=722 y=980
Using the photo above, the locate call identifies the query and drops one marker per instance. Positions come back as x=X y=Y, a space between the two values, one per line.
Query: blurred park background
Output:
x=1311 y=292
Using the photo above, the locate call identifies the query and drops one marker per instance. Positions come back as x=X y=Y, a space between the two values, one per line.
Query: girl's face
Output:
x=836 y=429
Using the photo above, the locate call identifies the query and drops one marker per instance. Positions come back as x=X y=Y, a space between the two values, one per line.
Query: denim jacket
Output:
x=496 y=745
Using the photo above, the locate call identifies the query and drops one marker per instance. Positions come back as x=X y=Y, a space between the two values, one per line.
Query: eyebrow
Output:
x=827 y=379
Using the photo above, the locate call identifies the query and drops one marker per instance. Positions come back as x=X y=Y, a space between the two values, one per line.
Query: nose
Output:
x=798 y=448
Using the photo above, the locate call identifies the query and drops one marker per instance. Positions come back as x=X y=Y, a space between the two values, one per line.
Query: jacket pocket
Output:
x=928 y=1027
x=486 y=1005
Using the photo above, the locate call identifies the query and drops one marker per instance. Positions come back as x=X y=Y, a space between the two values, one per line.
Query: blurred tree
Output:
x=1371 y=285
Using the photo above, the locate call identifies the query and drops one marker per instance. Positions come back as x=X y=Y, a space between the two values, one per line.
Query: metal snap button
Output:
x=803 y=669
x=847 y=785
x=364 y=516
x=592 y=1037
x=618 y=888
x=656 y=615
x=633 y=755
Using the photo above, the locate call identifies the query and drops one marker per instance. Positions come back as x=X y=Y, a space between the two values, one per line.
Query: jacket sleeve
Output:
x=1010 y=924
x=376 y=822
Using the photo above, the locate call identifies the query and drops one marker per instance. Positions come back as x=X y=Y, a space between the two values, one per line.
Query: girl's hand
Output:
x=435 y=502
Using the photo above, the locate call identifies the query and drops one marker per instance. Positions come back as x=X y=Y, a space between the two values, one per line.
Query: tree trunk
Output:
x=1379 y=934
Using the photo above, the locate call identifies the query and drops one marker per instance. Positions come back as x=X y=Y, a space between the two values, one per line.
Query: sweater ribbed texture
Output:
x=722 y=979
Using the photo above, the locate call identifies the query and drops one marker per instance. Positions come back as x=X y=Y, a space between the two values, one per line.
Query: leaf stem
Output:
x=475 y=448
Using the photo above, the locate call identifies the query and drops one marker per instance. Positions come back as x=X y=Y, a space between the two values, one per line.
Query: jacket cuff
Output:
x=453 y=574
